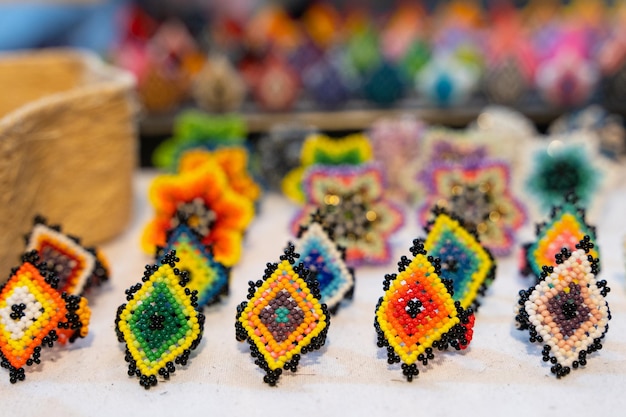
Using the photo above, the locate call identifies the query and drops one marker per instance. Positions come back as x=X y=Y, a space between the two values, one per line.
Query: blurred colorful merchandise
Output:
x=218 y=87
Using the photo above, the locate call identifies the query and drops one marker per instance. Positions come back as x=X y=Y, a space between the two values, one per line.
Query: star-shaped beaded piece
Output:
x=321 y=255
x=78 y=268
x=33 y=314
x=352 y=199
x=464 y=260
x=283 y=318
x=565 y=229
x=160 y=324
x=418 y=315
x=207 y=276
x=566 y=310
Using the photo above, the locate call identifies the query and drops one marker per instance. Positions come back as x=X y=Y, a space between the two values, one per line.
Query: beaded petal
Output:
x=352 y=199
x=207 y=276
x=284 y=317
x=463 y=259
x=566 y=310
x=160 y=323
x=77 y=268
x=321 y=255
x=34 y=314
x=417 y=313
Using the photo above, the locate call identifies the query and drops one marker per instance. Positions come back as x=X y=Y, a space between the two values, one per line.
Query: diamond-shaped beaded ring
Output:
x=283 y=318
x=566 y=310
x=160 y=324
x=417 y=314
x=33 y=314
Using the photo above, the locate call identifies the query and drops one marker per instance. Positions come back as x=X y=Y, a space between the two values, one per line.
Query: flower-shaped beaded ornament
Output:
x=464 y=260
x=33 y=314
x=160 y=324
x=566 y=310
x=417 y=313
x=283 y=318
x=321 y=255
x=77 y=268
x=207 y=276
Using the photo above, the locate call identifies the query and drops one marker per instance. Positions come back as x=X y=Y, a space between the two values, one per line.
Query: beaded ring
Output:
x=77 y=268
x=160 y=324
x=284 y=317
x=565 y=228
x=566 y=310
x=207 y=276
x=417 y=313
x=464 y=260
x=326 y=259
x=33 y=314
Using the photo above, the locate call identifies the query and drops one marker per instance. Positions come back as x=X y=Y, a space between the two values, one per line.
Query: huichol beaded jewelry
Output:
x=283 y=318
x=566 y=310
x=33 y=314
x=77 y=268
x=417 y=313
x=160 y=324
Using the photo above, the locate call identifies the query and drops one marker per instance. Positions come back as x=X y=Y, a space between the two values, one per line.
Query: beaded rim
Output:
x=210 y=278
x=411 y=329
x=90 y=269
x=483 y=272
x=572 y=329
x=56 y=316
x=163 y=285
x=300 y=314
x=320 y=233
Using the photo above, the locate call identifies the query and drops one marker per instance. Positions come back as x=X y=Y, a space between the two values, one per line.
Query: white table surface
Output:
x=499 y=374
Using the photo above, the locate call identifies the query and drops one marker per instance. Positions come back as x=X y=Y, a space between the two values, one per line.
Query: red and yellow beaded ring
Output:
x=566 y=310
x=283 y=318
x=160 y=324
x=78 y=268
x=33 y=314
x=417 y=313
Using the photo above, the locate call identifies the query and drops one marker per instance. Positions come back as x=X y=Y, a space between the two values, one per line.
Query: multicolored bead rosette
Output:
x=33 y=314
x=206 y=276
x=77 y=268
x=160 y=324
x=283 y=318
x=326 y=151
x=417 y=314
x=212 y=207
x=464 y=261
x=565 y=229
x=352 y=199
x=566 y=310
x=480 y=194
x=320 y=254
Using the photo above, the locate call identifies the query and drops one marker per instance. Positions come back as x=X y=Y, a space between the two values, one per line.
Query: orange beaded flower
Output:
x=34 y=314
x=212 y=208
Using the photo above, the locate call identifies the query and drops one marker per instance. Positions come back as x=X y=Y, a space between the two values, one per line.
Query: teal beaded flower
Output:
x=160 y=323
x=560 y=170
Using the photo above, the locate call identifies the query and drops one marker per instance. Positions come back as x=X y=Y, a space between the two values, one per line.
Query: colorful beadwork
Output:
x=33 y=314
x=284 y=317
x=322 y=150
x=77 y=268
x=206 y=276
x=211 y=206
x=417 y=313
x=560 y=170
x=566 y=310
x=464 y=260
x=351 y=198
x=565 y=229
x=160 y=323
x=480 y=194
x=320 y=254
